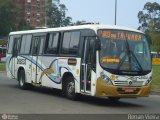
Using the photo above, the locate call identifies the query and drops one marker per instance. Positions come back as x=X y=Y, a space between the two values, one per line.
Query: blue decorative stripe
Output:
x=51 y=77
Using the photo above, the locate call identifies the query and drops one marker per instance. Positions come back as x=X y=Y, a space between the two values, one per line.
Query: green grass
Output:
x=156 y=78
x=156 y=74
x=2 y=67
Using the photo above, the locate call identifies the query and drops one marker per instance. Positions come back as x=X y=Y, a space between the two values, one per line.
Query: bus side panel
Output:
x=93 y=83
x=36 y=69
x=9 y=66
x=77 y=75
x=24 y=62
x=50 y=76
x=71 y=65
x=33 y=69
x=55 y=68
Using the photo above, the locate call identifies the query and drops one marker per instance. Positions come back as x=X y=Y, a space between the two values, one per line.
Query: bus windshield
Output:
x=124 y=51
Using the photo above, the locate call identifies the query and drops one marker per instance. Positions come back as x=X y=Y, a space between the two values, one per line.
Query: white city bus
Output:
x=95 y=60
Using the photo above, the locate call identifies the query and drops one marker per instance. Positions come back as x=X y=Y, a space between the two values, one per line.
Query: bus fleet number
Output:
x=21 y=61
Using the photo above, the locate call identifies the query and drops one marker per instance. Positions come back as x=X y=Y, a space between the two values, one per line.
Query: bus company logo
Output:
x=4 y=116
x=130 y=82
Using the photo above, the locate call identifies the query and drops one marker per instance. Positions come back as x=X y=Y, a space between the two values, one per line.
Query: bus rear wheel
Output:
x=70 y=88
x=21 y=79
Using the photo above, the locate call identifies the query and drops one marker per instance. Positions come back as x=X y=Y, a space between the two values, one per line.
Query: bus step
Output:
x=36 y=84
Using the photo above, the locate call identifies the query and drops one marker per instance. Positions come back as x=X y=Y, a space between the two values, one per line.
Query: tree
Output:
x=56 y=14
x=155 y=37
x=11 y=17
x=7 y=17
x=149 y=18
x=23 y=26
x=80 y=22
x=3 y=43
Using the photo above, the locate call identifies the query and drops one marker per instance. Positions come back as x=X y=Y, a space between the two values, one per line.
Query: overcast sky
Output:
x=103 y=11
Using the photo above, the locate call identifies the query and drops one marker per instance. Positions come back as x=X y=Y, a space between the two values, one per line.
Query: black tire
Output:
x=21 y=80
x=69 y=89
x=113 y=99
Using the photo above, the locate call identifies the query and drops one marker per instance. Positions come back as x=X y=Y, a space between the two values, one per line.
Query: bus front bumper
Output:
x=102 y=89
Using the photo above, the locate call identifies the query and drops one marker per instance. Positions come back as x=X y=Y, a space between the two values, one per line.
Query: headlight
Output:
x=106 y=79
x=148 y=81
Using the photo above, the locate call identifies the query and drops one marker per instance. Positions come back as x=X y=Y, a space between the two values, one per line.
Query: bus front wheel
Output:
x=70 y=88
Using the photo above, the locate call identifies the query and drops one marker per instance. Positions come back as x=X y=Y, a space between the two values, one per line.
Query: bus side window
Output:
x=70 y=43
x=51 y=43
x=16 y=44
x=42 y=41
x=10 y=45
x=74 y=43
x=91 y=57
x=38 y=44
x=25 y=44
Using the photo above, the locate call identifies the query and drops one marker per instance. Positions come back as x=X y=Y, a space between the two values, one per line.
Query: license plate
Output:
x=129 y=90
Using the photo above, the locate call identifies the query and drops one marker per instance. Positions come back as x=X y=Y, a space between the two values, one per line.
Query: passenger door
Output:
x=15 y=50
x=37 y=50
x=88 y=67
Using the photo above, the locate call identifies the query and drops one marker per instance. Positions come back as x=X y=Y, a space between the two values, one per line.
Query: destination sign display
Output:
x=111 y=34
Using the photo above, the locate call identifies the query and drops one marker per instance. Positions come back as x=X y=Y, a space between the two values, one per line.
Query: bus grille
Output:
x=120 y=83
x=126 y=83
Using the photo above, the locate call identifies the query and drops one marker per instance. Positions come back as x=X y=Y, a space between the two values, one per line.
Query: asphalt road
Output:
x=46 y=101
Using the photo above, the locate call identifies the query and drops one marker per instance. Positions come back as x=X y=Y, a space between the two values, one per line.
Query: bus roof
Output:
x=94 y=27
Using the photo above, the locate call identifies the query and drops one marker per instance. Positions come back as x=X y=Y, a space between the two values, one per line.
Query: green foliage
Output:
x=7 y=17
x=23 y=26
x=56 y=15
x=149 y=18
x=10 y=17
x=155 y=37
x=3 y=43
x=79 y=22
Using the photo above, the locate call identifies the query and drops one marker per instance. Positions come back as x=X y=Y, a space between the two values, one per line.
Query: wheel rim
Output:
x=71 y=89
x=21 y=81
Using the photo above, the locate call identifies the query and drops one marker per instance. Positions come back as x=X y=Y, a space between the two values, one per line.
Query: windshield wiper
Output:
x=136 y=60
x=121 y=62
x=129 y=53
